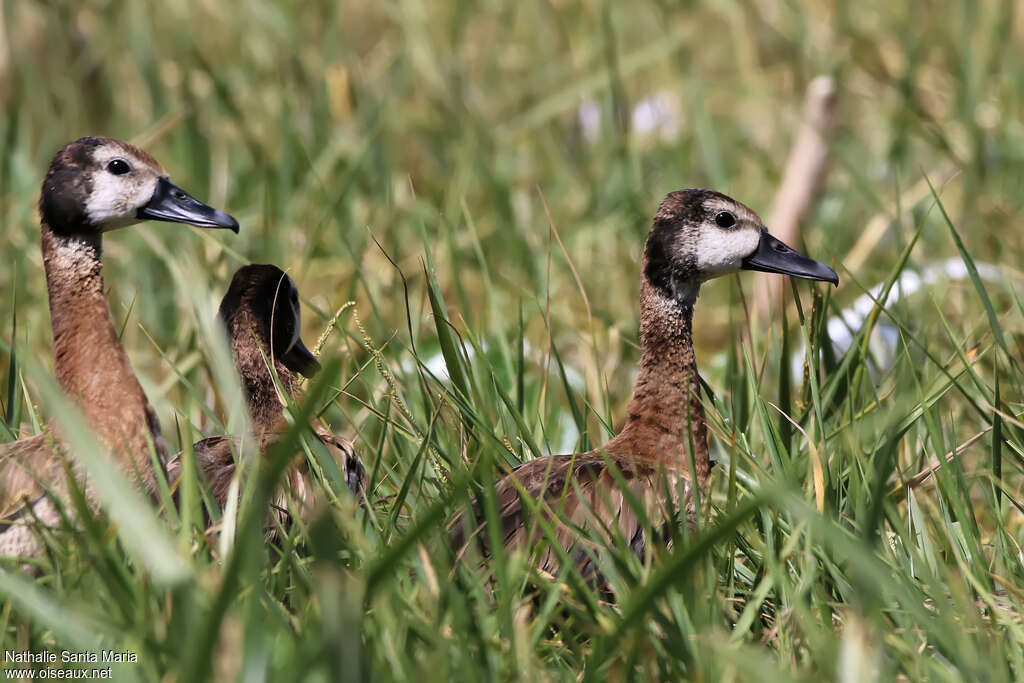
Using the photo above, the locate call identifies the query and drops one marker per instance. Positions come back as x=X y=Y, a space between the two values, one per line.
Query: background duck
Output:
x=696 y=235
x=94 y=185
x=260 y=312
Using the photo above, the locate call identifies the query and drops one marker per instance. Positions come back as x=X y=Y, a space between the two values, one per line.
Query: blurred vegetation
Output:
x=479 y=178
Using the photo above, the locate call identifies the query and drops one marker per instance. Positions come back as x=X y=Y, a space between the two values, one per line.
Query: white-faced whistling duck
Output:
x=261 y=315
x=696 y=235
x=94 y=185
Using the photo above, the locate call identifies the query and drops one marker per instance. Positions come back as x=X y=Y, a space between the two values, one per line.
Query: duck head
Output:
x=263 y=298
x=99 y=184
x=701 y=234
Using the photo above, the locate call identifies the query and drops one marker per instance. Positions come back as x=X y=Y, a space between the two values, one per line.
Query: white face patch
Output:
x=721 y=251
x=115 y=199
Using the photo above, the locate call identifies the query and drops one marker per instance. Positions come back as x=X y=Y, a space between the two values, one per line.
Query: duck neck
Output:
x=90 y=364
x=665 y=416
x=265 y=401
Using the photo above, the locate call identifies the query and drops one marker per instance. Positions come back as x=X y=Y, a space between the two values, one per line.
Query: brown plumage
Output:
x=93 y=185
x=696 y=235
x=260 y=313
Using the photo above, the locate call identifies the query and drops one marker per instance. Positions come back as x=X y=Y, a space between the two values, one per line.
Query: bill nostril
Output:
x=179 y=195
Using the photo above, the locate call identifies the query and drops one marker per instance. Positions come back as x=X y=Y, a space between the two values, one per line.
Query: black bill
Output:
x=171 y=203
x=301 y=360
x=773 y=256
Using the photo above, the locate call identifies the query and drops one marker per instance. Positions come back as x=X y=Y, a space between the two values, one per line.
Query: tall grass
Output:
x=428 y=161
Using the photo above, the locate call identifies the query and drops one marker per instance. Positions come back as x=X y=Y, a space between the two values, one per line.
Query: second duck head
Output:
x=264 y=301
x=98 y=184
x=701 y=234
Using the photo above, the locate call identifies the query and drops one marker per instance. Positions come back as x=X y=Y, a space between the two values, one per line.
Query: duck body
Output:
x=93 y=185
x=644 y=472
x=261 y=316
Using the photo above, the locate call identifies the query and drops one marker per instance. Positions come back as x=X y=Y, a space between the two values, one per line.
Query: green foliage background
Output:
x=428 y=162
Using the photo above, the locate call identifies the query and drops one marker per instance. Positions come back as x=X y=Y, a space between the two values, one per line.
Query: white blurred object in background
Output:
x=883 y=346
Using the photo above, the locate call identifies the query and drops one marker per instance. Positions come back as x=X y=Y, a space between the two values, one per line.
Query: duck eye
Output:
x=724 y=219
x=118 y=166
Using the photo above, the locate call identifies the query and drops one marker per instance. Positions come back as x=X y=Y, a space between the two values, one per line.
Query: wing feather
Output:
x=584 y=502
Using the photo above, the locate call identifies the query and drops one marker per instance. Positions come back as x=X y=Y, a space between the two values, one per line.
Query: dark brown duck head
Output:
x=261 y=314
x=97 y=184
x=701 y=234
